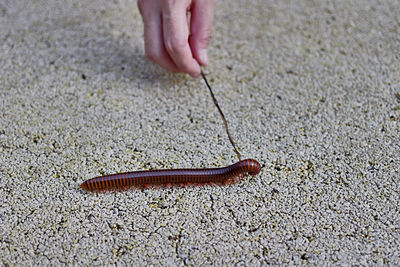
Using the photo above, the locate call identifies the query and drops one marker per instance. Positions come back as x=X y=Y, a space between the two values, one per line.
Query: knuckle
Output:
x=205 y=38
x=175 y=45
x=201 y=38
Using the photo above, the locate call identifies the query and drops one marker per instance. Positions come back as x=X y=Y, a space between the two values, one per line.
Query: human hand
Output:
x=166 y=33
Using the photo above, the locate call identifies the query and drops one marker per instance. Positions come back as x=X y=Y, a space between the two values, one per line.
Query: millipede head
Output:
x=252 y=165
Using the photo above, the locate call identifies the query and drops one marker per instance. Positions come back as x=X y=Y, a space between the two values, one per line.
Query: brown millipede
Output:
x=145 y=179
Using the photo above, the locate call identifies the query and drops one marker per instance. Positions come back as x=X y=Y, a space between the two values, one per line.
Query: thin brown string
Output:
x=222 y=115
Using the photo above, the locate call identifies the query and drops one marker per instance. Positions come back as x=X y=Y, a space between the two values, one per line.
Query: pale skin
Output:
x=177 y=33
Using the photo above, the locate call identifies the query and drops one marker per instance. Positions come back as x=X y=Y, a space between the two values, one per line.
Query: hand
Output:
x=166 y=33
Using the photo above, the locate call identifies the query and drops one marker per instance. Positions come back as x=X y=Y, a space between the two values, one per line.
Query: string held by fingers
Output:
x=222 y=116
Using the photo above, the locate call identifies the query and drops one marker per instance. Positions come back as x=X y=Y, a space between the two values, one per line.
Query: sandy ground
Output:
x=307 y=86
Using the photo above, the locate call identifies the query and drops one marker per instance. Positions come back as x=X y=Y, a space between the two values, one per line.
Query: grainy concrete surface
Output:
x=308 y=88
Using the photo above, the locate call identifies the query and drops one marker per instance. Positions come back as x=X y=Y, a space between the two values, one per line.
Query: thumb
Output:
x=202 y=13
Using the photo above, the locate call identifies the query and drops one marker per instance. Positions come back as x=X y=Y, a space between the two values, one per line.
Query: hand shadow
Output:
x=95 y=47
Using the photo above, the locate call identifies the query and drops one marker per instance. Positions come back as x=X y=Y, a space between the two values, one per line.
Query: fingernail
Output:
x=203 y=54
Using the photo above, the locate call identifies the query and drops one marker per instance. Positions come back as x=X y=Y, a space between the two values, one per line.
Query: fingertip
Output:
x=194 y=71
x=195 y=75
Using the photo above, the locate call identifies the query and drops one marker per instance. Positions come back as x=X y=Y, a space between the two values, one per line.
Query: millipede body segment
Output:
x=153 y=178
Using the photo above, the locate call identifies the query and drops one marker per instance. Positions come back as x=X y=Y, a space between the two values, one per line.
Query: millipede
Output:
x=172 y=177
x=177 y=177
